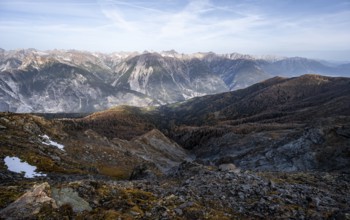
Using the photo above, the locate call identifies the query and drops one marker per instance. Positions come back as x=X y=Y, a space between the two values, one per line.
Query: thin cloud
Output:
x=186 y=25
x=61 y=9
x=118 y=19
x=136 y=5
x=195 y=20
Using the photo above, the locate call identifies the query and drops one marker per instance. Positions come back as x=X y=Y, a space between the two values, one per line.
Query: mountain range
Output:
x=79 y=81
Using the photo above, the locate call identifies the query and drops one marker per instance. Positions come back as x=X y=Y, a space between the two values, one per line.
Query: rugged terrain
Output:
x=279 y=149
x=283 y=124
x=79 y=81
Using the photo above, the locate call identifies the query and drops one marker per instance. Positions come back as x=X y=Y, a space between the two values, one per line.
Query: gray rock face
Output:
x=62 y=88
x=302 y=154
x=156 y=148
x=168 y=79
x=279 y=147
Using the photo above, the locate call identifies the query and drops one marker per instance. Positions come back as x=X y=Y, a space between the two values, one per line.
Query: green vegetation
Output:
x=119 y=173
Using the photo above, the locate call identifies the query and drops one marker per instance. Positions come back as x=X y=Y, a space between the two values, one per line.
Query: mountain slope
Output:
x=280 y=124
x=279 y=96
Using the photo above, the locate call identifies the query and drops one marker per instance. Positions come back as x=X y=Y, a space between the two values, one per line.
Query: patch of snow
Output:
x=41 y=53
x=171 y=53
x=48 y=141
x=198 y=55
x=14 y=164
x=270 y=58
x=68 y=59
x=97 y=55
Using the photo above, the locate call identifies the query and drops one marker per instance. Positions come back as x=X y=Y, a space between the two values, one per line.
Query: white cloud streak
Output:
x=187 y=26
x=118 y=19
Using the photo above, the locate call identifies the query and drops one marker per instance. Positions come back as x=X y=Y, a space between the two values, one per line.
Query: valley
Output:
x=278 y=149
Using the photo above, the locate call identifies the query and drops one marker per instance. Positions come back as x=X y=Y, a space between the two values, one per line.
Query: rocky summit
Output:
x=279 y=149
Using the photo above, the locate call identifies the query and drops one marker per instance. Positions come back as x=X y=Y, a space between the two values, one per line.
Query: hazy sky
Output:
x=311 y=28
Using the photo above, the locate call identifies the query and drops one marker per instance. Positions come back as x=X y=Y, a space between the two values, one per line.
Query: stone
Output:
x=141 y=172
x=344 y=131
x=271 y=184
x=229 y=167
x=69 y=196
x=185 y=205
x=31 y=128
x=5 y=120
x=178 y=211
x=241 y=195
x=315 y=135
x=29 y=203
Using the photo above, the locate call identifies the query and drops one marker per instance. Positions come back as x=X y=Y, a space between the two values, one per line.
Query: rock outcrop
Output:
x=29 y=204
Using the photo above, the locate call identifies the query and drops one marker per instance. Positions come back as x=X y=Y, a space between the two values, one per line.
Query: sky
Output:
x=310 y=28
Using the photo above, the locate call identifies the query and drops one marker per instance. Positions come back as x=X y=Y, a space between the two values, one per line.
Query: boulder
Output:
x=229 y=167
x=66 y=196
x=141 y=171
x=29 y=204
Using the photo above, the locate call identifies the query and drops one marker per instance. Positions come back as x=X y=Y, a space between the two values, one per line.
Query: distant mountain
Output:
x=167 y=79
x=296 y=66
x=80 y=81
